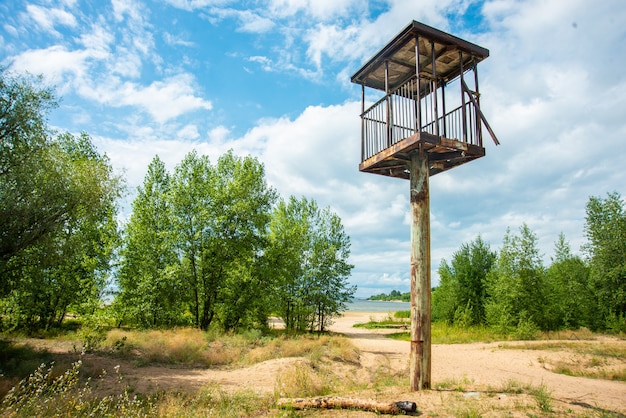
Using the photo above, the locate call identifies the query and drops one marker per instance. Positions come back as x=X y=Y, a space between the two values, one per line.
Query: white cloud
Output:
x=48 y=18
x=191 y=5
x=176 y=40
x=163 y=100
x=253 y=23
x=56 y=63
x=320 y=10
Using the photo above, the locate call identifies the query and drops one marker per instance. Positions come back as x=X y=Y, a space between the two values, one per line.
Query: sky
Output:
x=271 y=79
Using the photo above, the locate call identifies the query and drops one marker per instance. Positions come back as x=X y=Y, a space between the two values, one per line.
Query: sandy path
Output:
x=483 y=365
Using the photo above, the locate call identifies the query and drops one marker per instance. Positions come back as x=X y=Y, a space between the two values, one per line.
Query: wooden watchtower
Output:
x=428 y=121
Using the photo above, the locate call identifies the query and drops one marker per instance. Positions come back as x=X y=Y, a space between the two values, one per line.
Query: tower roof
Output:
x=400 y=54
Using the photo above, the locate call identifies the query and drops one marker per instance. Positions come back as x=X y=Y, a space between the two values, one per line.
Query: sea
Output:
x=364 y=305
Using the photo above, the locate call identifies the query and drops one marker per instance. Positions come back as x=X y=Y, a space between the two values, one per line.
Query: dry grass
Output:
x=192 y=347
x=304 y=380
x=593 y=359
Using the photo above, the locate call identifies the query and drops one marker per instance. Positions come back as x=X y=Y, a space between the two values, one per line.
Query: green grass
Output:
x=441 y=333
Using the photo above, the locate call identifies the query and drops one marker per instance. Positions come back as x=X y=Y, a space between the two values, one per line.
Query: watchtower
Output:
x=428 y=121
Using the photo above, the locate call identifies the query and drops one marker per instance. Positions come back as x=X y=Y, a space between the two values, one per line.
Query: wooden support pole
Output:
x=420 y=272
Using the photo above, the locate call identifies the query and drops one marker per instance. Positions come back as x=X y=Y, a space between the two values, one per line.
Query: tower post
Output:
x=420 y=363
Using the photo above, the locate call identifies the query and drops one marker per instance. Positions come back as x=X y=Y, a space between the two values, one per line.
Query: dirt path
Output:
x=485 y=365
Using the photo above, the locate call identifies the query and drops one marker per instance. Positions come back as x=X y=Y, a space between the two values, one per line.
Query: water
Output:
x=363 y=305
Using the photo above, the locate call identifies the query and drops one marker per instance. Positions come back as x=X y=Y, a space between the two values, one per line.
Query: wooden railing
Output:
x=394 y=118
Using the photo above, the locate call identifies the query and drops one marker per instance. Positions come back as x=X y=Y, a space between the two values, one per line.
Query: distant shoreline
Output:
x=366 y=305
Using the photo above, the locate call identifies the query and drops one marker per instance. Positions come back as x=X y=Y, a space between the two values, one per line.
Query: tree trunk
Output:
x=347 y=403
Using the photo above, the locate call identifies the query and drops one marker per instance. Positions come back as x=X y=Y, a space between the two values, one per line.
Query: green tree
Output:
x=67 y=267
x=309 y=250
x=33 y=193
x=221 y=214
x=605 y=230
x=445 y=296
x=149 y=289
x=516 y=284
x=191 y=198
x=569 y=299
x=462 y=292
x=243 y=210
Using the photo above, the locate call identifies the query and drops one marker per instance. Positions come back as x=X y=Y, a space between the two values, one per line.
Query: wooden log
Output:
x=393 y=408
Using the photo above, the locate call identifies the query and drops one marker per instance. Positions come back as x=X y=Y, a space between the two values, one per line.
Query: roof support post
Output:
x=479 y=131
x=418 y=101
x=363 y=136
x=389 y=120
x=434 y=83
x=443 y=110
x=463 y=108
x=420 y=363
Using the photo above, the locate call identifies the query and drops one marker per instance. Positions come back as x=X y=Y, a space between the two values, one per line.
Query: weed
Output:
x=455 y=384
x=302 y=380
x=543 y=397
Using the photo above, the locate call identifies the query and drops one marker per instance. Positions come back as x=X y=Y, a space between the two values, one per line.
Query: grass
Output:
x=192 y=347
x=597 y=360
x=63 y=390
x=442 y=333
x=45 y=394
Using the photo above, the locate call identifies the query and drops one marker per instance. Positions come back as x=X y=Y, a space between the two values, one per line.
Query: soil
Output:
x=466 y=377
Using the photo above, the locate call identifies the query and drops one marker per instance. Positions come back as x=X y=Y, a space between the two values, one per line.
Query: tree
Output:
x=605 y=230
x=243 y=207
x=191 y=198
x=569 y=297
x=516 y=284
x=462 y=292
x=220 y=217
x=147 y=277
x=67 y=266
x=309 y=250
x=33 y=193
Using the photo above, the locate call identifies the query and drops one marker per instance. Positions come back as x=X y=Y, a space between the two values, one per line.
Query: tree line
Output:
x=209 y=243
x=512 y=289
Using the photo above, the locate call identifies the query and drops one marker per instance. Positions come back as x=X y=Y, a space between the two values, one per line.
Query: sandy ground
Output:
x=485 y=365
x=477 y=368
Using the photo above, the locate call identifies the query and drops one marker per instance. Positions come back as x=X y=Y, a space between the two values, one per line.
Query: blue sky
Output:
x=270 y=78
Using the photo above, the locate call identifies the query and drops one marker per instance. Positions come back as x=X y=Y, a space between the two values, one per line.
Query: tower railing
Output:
x=394 y=118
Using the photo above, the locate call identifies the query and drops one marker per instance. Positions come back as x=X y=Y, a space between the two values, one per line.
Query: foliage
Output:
x=194 y=245
x=57 y=213
x=394 y=295
x=309 y=251
x=31 y=185
x=147 y=277
x=570 y=299
x=605 y=229
x=221 y=214
x=461 y=295
x=517 y=284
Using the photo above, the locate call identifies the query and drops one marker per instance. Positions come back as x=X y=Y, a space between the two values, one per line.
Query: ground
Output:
x=467 y=379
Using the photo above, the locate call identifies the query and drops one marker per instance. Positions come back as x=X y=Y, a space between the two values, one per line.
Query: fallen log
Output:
x=347 y=403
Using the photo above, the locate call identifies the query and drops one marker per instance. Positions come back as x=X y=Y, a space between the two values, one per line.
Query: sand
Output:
x=463 y=376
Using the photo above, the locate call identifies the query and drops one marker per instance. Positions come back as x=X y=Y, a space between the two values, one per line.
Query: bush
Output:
x=526 y=329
